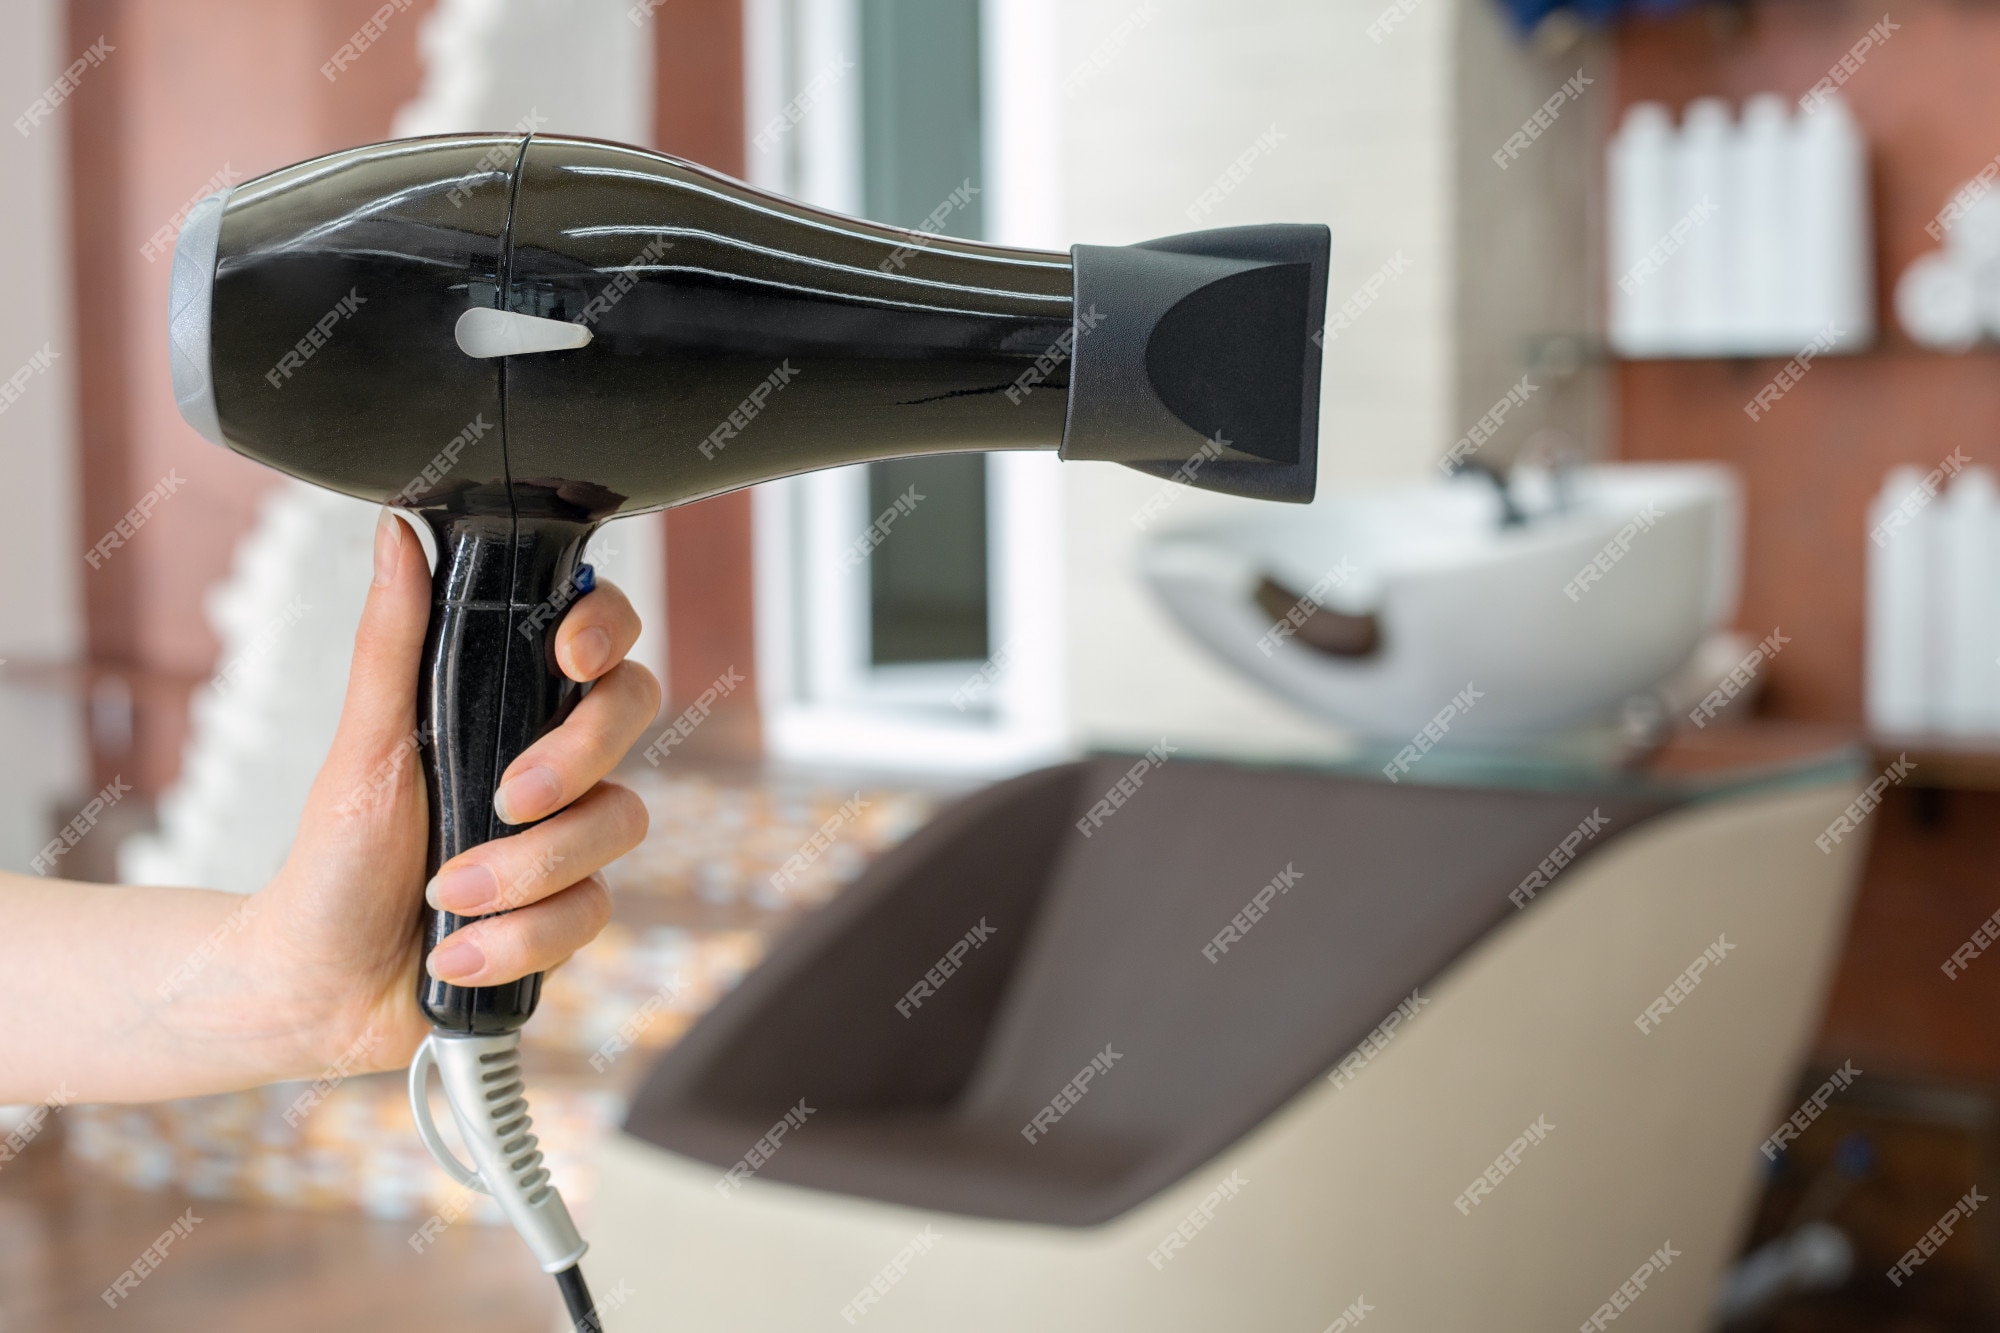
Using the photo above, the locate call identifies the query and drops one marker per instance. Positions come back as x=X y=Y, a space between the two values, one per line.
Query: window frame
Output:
x=822 y=700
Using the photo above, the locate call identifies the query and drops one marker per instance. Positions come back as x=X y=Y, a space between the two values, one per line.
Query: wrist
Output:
x=315 y=1004
x=229 y=993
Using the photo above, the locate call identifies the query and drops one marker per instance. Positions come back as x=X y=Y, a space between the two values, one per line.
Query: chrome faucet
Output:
x=1511 y=513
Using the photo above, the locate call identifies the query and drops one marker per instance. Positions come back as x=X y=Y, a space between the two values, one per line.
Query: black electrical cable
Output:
x=582 y=1310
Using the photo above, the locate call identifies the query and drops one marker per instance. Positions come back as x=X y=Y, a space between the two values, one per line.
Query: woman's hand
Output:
x=137 y=994
x=336 y=931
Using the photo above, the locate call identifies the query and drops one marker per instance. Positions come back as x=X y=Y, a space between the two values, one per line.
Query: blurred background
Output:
x=1753 y=234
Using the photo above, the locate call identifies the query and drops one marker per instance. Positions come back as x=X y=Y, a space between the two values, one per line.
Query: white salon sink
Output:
x=1456 y=599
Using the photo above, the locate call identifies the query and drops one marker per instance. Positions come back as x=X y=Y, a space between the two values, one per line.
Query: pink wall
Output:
x=711 y=608
x=1929 y=103
x=191 y=88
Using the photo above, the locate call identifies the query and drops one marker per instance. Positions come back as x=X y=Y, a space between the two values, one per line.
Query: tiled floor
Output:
x=67 y=1233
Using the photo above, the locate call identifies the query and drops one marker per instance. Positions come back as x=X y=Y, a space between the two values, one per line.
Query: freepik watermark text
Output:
x=1503 y=1166
x=1810 y=1110
x=1433 y=732
x=1253 y=911
x=1377 y=1040
x=1364 y=296
x=1793 y=371
x=1738 y=679
x=1070 y=1094
x=1305 y=608
x=17 y=383
x=86 y=820
x=1919 y=496
x=1565 y=851
x=135 y=518
x=1614 y=551
x=815 y=846
x=931 y=227
x=1850 y=819
x=1682 y=986
x=1848 y=65
x=1541 y=121
x=162 y=241
x=1931 y=1241
x=763 y=1150
x=1053 y=356
x=1125 y=788
x=1487 y=426
x=941 y=971
x=66 y=83
x=693 y=716
x=1197 y=1220
x=747 y=411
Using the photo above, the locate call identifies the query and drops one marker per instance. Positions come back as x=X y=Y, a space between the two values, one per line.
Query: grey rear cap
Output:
x=190 y=304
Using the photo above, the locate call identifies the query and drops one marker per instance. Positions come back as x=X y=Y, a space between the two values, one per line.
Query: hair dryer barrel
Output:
x=677 y=334
x=669 y=333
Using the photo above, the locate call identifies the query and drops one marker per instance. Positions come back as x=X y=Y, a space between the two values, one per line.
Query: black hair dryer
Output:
x=516 y=338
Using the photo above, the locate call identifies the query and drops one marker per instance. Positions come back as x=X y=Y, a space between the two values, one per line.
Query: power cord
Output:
x=576 y=1296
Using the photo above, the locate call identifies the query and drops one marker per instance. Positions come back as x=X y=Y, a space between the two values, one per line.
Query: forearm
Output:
x=119 y=993
x=134 y=994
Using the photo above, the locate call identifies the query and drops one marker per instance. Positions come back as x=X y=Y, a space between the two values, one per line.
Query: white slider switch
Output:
x=482 y=332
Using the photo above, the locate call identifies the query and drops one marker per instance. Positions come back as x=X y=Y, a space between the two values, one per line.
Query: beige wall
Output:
x=1387 y=142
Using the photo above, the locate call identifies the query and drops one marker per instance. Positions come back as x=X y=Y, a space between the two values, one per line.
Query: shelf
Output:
x=1969 y=763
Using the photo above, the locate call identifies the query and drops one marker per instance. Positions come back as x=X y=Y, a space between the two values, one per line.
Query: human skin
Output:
x=126 y=993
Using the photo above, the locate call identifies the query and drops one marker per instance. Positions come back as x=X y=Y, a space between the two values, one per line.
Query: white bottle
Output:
x=1638 y=220
x=1973 y=243
x=1897 y=640
x=1703 y=217
x=1967 y=515
x=1760 y=231
x=1975 y=231
x=1833 y=273
x=1938 y=302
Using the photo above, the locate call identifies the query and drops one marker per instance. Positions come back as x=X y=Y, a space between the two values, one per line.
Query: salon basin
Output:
x=1401 y=598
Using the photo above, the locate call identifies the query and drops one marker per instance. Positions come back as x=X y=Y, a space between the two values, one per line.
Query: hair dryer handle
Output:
x=490 y=688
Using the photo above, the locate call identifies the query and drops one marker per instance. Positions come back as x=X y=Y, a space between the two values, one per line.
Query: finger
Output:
x=596 y=634
x=570 y=760
x=534 y=939
x=378 y=717
x=604 y=824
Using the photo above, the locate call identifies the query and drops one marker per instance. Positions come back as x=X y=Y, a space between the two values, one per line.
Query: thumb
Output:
x=378 y=719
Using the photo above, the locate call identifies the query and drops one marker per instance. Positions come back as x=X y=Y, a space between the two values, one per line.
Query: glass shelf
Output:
x=1690 y=765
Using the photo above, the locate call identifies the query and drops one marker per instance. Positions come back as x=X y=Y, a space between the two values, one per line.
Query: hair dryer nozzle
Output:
x=1195 y=358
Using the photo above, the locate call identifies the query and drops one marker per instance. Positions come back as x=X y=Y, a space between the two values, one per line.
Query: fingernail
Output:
x=526 y=796
x=589 y=651
x=388 y=549
x=456 y=957
x=464 y=890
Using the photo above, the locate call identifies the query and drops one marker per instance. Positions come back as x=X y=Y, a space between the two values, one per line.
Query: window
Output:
x=942 y=648
x=927 y=589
